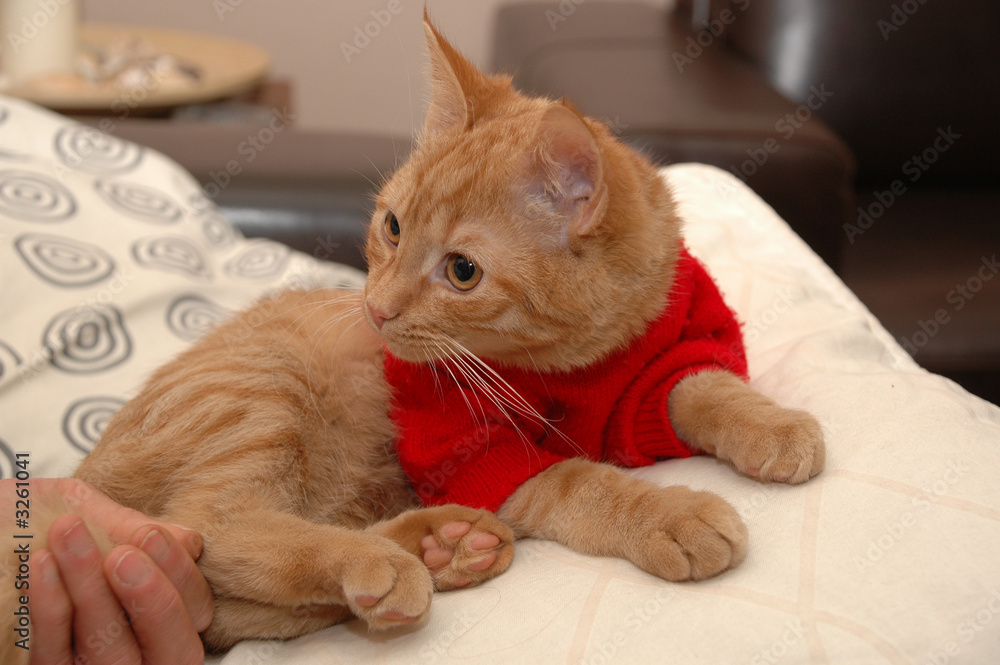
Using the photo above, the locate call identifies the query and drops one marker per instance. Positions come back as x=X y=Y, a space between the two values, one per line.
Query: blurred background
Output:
x=869 y=125
x=380 y=89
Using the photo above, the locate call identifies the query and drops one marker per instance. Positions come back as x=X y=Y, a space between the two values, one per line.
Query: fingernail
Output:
x=184 y=528
x=132 y=569
x=155 y=545
x=49 y=570
x=78 y=540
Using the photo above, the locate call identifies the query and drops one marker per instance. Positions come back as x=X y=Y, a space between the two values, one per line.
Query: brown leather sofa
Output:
x=683 y=95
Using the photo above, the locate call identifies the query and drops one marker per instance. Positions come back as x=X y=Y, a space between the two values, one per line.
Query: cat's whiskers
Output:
x=324 y=329
x=376 y=185
x=474 y=379
x=471 y=371
x=444 y=363
x=433 y=358
x=512 y=398
x=503 y=396
x=312 y=308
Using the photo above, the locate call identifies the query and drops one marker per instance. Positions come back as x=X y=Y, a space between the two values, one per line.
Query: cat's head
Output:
x=518 y=230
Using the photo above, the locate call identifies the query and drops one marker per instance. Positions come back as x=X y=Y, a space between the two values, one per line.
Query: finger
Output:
x=177 y=564
x=100 y=630
x=104 y=513
x=51 y=613
x=160 y=621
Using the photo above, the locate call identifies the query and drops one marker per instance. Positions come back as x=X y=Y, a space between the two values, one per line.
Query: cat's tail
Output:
x=26 y=521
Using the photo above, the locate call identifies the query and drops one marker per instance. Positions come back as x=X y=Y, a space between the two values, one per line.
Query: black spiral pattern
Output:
x=171 y=253
x=88 y=339
x=34 y=197
x=261 y=260
x=7 y=459
x=140 y=202
x=85 y=420
x=190 y=316
x=64 y=262
x=91 y=150
x=9 y=360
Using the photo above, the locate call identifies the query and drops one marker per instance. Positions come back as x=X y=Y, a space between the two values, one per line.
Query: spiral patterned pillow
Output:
x=112 y=260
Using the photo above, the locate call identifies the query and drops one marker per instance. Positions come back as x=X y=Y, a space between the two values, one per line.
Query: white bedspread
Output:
x=892 y=555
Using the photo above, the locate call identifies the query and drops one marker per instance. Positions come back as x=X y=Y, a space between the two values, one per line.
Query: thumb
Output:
x=104 y=514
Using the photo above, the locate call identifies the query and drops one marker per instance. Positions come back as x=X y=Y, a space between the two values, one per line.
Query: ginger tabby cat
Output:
x=520 y=245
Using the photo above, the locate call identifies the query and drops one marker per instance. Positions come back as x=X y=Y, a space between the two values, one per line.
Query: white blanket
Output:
x=892 y=555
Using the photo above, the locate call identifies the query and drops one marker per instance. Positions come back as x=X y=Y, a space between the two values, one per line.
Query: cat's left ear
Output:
x=572 y=167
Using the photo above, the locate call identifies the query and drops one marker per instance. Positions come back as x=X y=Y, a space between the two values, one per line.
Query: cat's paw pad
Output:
x=466 y=547
x=387 y=587
x=782 y=446
x=689 y=536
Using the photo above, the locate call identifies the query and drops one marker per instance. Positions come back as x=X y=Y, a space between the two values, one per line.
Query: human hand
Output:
x=145 y=601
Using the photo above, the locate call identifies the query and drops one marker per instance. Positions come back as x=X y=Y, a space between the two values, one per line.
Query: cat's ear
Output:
x=454 y=83
x=570 y=165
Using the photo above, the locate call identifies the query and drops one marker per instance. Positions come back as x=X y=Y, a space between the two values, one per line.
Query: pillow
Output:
x=112 y=260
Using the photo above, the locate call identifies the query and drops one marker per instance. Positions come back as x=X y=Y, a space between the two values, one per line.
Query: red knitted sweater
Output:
x=457 y=446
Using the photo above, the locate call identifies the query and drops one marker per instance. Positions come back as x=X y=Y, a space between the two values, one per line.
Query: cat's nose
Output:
x=378 y=316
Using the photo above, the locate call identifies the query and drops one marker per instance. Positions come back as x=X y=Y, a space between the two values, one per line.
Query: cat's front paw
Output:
x=386 y=586
x=780 y=445
x=688 y=535
x=465 y=547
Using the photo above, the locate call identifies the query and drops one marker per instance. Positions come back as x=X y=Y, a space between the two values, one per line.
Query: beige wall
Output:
x=381 y=89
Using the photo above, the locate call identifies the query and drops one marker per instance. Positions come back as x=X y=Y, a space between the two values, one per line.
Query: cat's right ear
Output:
x=455 y=83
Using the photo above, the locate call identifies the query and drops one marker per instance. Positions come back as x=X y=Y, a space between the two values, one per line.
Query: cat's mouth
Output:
x=412 y=346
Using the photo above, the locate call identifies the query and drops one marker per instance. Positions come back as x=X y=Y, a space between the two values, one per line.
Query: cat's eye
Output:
x=391 y=228
x=463 y=274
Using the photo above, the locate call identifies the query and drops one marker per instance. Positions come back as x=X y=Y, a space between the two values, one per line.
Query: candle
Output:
x=39 y=37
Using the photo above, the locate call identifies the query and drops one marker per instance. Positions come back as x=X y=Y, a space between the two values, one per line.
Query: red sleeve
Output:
x=704 y=334
x=454 y=446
